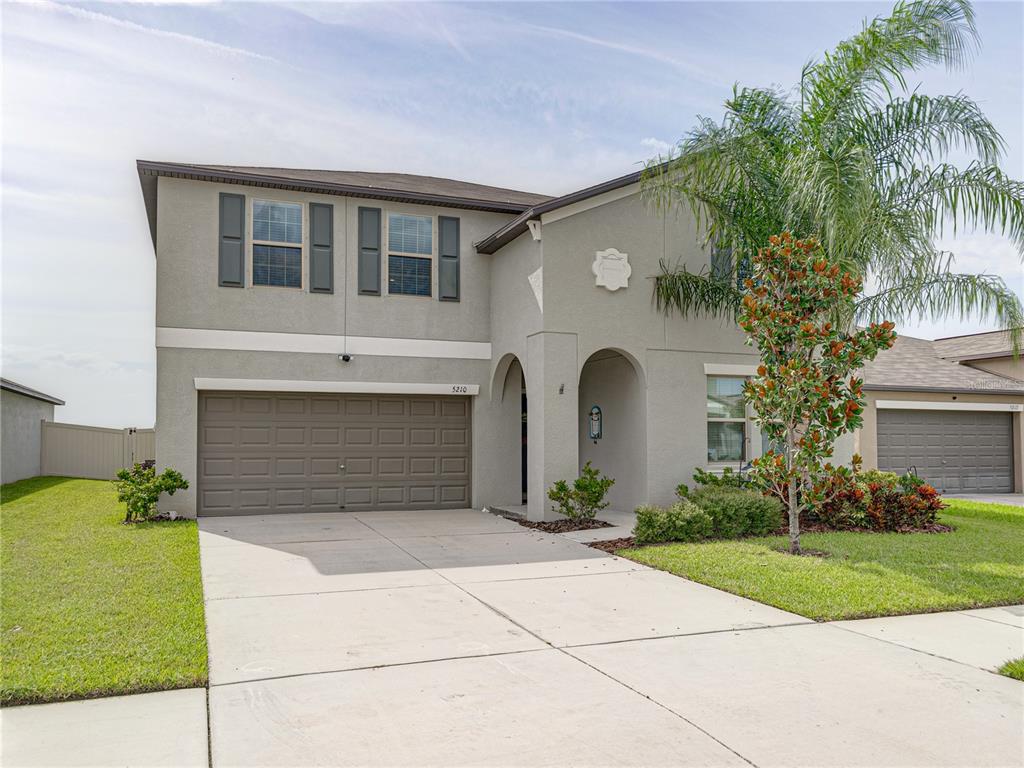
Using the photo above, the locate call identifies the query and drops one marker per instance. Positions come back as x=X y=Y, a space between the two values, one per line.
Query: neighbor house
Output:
x=22 y=411
x=949 y=410
x=343 y=341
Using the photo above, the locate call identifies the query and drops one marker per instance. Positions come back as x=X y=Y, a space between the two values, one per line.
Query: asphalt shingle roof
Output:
x=975 y=345
x=916 y=364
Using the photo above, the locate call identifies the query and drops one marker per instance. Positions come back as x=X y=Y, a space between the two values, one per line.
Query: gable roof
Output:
x=518 y=225
x=35 y=394
x=975 y=346
x=915 y=364
x=400 y=187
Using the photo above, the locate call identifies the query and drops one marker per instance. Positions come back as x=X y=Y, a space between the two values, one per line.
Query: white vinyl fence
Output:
x=73 y=450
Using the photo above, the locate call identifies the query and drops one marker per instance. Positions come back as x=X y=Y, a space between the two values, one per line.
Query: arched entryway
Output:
x=613 y=424
x=509 y=394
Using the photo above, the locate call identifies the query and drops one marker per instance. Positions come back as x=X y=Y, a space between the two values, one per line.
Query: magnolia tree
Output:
x=806 y=393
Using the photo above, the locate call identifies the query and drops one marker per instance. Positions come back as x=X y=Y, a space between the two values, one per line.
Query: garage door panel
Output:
x=956 y=451
x=263 y=453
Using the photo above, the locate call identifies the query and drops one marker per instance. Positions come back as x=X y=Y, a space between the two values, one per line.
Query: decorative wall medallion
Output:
x=537 y=284
x=612 y=269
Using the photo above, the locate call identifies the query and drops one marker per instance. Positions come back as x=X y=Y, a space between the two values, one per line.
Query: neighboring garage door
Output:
x=261 y=453
x=956 y=451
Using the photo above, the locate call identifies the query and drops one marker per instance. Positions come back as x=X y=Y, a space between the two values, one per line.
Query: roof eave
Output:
x=518 y=226
x=35 y=394
x=945 y=390
x=176 y=170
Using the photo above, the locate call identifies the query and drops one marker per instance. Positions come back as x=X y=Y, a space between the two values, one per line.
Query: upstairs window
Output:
x=410 y=254
x=276 y=243
x=727 y=419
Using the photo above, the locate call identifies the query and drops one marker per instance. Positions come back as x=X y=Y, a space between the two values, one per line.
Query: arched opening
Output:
x=509 y=394
x=613 y=419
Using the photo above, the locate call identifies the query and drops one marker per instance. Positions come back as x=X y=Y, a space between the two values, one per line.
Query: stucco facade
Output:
x=539 y=338
x=529 y=313
x=21 y=414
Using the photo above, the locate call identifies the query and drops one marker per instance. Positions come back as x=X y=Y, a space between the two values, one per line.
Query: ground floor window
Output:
x=727 y=420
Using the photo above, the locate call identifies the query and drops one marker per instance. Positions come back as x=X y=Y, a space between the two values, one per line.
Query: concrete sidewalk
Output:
x=167 y=728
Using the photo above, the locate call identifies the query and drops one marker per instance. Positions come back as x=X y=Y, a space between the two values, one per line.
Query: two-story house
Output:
x=343 y=341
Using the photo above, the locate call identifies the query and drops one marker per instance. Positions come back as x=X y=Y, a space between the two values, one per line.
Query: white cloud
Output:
x=657 y=146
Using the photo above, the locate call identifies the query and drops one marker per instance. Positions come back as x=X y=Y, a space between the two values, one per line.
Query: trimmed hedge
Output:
x=736 y=512
x=683 y=521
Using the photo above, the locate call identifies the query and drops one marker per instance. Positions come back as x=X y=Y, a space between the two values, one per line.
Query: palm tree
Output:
x=856 y=158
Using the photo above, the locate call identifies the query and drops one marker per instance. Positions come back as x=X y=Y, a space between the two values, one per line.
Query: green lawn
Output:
x=1014 y=669
x=981 y=563
x=90 y=607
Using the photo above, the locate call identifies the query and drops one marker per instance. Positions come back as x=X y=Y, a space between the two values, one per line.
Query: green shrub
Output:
x=878 y=477
x=727 y=479
x=140 y=488
x=738 y=512
x=583 y=499
x=683 y=521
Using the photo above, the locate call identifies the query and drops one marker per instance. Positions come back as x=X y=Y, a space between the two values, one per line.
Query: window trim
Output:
x=387 y=253
x=253 y=242
x=751 y=431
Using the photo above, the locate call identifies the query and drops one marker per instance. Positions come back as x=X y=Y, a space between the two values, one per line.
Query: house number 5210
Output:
x=459 y=389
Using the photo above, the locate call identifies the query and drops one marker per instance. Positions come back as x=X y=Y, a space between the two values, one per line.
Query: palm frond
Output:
x=976 y=196
x=677 y=290
x=943 y=295
x=907 y=130
x=874 y=62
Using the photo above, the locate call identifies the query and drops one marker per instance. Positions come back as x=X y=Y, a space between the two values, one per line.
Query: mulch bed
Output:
x=562 y=526
x=612 y=545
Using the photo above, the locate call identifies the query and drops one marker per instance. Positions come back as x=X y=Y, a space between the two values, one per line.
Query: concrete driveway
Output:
x=461 y=638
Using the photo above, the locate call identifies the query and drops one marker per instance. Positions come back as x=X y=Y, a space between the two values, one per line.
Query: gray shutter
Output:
x=369 y=251
x=231 y=251
x=448 y=258
x=321 y=248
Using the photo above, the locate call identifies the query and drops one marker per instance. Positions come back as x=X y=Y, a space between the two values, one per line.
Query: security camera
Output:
x=345 y=358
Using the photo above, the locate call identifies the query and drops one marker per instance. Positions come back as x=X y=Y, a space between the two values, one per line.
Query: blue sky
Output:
x=536 y=96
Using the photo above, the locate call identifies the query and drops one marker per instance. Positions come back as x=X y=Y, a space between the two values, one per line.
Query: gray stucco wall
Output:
x=21 y=435
x=670 y=352
x=188 y=295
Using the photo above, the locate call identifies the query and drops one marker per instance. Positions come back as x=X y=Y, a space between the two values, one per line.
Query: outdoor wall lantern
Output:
x=596 y=425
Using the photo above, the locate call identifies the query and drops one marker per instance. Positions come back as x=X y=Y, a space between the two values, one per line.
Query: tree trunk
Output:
x=794 y=519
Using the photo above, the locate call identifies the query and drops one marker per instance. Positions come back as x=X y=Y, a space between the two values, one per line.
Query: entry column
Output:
x=553 y=422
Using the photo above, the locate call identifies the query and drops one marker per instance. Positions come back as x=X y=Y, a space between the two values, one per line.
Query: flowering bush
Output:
x=805 y=394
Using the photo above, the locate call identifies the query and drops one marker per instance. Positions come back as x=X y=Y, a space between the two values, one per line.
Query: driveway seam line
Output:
x=986 y=618
x=688 y=634
x=915 y=650
x=372 y=667
x=665 y=707
x=567 y=654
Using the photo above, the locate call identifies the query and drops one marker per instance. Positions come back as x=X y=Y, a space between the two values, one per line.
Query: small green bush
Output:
x=878 y=477
x=683 y=521
x=727 y=479
x=140 y=488
x=738 y=512
x=583 y=499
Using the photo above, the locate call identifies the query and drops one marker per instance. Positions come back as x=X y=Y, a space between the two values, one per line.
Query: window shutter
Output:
x=231 y=251
x=448 y=258
x=369 y=251
x=321 y=248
